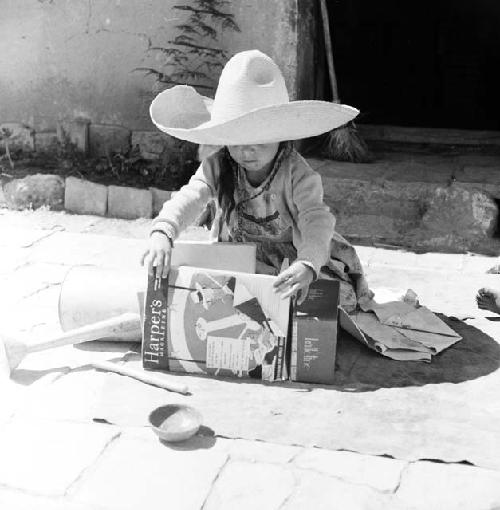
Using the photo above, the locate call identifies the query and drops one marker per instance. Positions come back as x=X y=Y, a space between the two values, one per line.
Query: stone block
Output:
x=431 y=486
x=370 y=227
x=35 y=191
x=105 y=139
x=79 y=134
x=247 y=485
x=461 y=211
x=151 y=143
x=48 y=457
x=129 y=203
x=480 y=174
x=45 y=140
x=401 y=201
x=139 y=473
x=85 y=197
x=380 y=473
x=160 y=196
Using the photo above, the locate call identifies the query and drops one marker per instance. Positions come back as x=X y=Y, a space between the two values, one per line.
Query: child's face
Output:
x=254 y=158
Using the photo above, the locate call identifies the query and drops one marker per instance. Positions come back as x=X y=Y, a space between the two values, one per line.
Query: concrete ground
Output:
x=58 y=458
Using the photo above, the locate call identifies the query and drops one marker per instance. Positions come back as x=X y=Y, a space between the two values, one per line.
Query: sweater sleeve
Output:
x=184 y=207
x=315 y=222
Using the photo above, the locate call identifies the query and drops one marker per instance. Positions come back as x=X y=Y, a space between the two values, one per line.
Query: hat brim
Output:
x=288 y=121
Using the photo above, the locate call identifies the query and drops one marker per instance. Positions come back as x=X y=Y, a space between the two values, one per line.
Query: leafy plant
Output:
x=5 y=137
x=192 y=57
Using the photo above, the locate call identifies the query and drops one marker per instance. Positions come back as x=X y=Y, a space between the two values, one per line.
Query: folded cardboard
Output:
x=213 y=322
x=402 y=330
x=227 y=256
x=314 y=334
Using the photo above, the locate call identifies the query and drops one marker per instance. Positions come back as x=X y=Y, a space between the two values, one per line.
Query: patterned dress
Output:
x=256 y=219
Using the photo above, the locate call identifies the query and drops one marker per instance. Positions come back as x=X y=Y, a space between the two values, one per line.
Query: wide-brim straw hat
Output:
x=251 y=106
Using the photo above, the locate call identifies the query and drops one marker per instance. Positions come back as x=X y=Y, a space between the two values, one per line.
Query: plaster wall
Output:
x=66 y=58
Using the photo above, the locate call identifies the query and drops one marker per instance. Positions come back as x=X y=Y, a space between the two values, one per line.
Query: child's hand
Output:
x=158 y=255
x=294 y=281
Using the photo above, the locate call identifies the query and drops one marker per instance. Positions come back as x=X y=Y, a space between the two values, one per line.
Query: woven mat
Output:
x=447 y=410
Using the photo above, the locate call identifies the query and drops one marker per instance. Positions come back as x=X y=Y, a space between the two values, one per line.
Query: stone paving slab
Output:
x=67 y=248
x=136 y=474
x=11 y=259
x=70 y=397
x=132 y=229
x=393 y=258
x=437 y=486
x=366 y=254
x=324 y=493
x=44 y=219
x=47 y=457
x=32 y=316
x=13 y=237
x=17 y=286
x=260 y=451
x=18 y=500
x=246 y=485
x=70 y=249
x=380 y=473
x=479 y=264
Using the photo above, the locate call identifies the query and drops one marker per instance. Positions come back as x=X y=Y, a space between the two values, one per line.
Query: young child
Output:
x=265 y=192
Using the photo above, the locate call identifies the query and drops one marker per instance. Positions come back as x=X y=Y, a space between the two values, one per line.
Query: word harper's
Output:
x=157 y=331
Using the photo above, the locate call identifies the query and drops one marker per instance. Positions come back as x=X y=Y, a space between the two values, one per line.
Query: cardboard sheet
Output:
x=446 y=410
x=402 y=330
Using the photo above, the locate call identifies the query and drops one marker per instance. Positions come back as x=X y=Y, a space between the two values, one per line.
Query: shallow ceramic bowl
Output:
x=175 y=422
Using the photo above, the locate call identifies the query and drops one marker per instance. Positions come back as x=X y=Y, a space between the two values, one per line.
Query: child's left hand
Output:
x=294 y=281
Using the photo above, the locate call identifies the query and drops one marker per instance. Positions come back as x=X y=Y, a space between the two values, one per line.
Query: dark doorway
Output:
x=425 y=63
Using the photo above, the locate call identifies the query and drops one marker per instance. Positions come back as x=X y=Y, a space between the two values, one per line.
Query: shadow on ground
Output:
x=360 y=369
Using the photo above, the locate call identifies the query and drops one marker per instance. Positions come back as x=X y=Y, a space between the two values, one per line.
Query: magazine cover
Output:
x=215 y=322
x=314 y=334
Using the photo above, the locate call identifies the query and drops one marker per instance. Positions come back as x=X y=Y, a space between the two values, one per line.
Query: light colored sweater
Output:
x=297 y=194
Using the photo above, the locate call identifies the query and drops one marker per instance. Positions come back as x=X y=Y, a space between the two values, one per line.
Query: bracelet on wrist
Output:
x=166 y=235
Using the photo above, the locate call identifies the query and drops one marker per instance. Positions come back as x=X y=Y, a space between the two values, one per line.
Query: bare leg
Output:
x=488 y=299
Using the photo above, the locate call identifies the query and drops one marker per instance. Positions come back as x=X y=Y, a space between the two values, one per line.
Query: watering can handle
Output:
x=108 y=328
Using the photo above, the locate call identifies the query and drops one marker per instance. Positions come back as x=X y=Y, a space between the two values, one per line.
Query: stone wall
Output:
x=422 y=202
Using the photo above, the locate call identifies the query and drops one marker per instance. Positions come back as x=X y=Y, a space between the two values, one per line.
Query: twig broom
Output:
x=343 y=143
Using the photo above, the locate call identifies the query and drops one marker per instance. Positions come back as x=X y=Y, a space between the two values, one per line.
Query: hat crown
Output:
x=250 y=80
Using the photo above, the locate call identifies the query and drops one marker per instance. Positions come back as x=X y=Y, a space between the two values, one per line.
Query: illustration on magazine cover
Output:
x=221 y=324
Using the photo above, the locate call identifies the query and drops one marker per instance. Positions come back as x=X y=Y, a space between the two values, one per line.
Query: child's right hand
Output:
x=158 y=255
